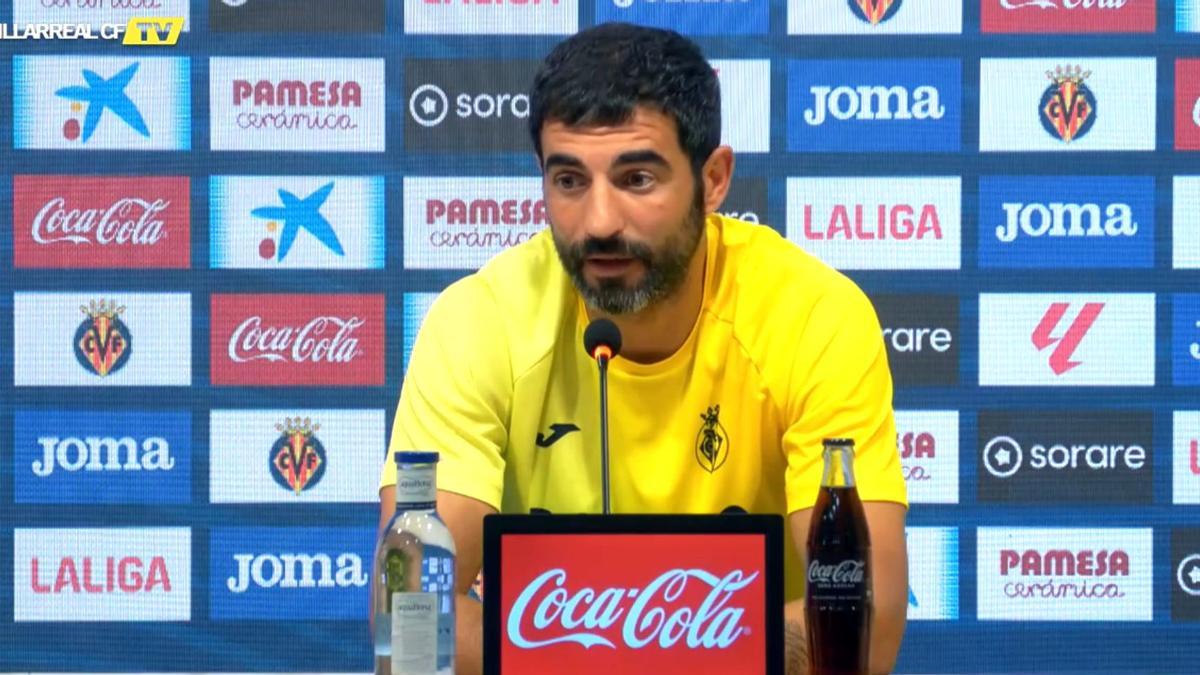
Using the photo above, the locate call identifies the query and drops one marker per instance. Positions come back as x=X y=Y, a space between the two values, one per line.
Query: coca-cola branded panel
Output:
x=298 y=340
x=1067 y=16
x=91 y=222
x=669 y=603
x=1065 y=574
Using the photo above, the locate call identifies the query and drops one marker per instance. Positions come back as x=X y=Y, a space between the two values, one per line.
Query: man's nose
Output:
x=602 y=219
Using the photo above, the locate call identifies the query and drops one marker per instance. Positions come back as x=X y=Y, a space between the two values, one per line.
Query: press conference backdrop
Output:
x=220 y=252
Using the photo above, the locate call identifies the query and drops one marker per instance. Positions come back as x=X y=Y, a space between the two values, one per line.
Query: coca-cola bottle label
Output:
x=837 y=579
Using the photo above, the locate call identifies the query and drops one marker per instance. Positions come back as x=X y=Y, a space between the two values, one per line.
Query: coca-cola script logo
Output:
x=622 y=603
x=646 y=615
x=1067 y=16
x=317 y=340
x=844 y=573
x=87 y=222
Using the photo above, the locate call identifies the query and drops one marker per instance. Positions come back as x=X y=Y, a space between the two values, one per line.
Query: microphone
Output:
x=733 y=509
x=602 y=342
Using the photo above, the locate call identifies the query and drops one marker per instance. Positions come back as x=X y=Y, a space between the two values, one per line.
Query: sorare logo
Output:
x=691 y=17
x=296 y=222
x=933 y=573
x=1066 y=339
x=467 y=105
x=297 y=340
x=746 y=200
x=1067 y=222
x=1065 y=574
x=874 y=17
x=921 y=334
x=89 y=222
x=878 y=223
x=90 y=457
x=1067 y=104
x=1066 y=457
x=297 y=104
x=862 y=105
x=101 y=103
x=120 y=574
x=295 y=16
x=454 y=17
x=295 y=456
x=928 y=445
x=289 y=573
x=1067 y=16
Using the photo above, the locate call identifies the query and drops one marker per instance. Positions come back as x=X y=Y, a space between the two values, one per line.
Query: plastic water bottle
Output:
x=413 y=579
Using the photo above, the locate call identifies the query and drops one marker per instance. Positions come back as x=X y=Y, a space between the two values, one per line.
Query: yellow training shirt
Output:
x=786 y=351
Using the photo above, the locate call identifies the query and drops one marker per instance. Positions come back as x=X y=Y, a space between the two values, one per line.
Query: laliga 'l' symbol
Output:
x=102 y=342
x=874 y=12
x=1068 y=108
x=297 y=456
x=712 y=446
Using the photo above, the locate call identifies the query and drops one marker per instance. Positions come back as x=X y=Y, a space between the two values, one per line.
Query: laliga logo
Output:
x=710 y=625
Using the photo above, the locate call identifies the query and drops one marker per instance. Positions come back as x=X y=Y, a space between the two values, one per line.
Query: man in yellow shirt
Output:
x=730 y=334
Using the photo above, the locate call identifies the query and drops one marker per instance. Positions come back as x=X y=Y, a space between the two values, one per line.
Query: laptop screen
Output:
x=607 y=594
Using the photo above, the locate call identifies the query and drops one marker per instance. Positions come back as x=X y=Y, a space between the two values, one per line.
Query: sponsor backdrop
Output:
x=216 y=255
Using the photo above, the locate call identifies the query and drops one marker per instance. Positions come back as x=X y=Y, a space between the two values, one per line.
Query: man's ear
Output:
x=716 y=175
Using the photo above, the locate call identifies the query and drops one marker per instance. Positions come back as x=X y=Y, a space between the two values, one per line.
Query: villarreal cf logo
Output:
x=1068 y=108
x=712 y=444
x=874 y=12
x=297 y=456
x=102 y=342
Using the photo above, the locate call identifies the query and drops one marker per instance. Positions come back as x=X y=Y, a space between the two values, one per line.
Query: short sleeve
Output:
x=841 y=387
x=456 y=394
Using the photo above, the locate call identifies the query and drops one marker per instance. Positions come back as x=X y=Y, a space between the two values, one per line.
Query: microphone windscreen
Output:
x=733 y=509
x=602 y=332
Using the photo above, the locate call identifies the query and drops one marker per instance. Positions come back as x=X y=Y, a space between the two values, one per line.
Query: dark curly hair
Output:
x=600 y=75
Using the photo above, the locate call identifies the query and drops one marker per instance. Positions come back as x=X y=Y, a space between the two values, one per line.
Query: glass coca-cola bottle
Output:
x=838 y=592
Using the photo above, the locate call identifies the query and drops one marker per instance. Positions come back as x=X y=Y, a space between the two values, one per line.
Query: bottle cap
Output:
x=415 y=457
x=838 y=442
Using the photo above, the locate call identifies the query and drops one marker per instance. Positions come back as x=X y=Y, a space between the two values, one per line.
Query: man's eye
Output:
x=639 y=179
x=566 y=181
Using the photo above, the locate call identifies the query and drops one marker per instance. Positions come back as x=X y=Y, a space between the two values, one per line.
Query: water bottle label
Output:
x=416 y=486
x=414 y=633
x=837 y=580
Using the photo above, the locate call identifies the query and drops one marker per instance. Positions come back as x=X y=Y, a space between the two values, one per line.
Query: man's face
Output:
x=625 y=209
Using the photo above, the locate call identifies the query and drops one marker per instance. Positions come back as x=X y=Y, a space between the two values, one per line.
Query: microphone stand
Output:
x=606 y=498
